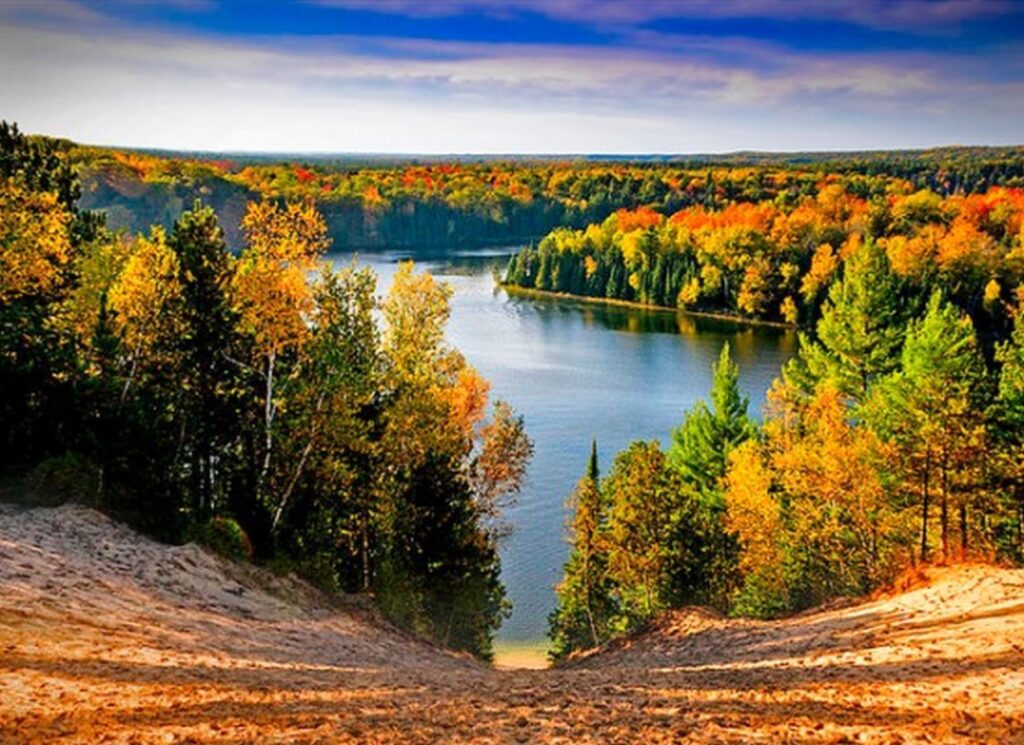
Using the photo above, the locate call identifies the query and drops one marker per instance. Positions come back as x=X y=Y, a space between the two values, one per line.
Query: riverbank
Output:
x=519 y=291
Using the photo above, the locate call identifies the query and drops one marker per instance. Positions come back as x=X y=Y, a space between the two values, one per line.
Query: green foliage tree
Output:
x=700 y=449
x=441 y=560
x=1008 y=437
x=209 y=340
x=649 y=506
x=702 y=443
x=930 y=406
x=860 y=331
x=585 y=607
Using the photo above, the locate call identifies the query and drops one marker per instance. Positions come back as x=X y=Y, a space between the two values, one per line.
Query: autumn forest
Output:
x=175 y=351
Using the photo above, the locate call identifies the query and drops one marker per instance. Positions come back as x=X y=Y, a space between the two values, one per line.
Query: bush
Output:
x=70 y=477
x=223 y=536
x=763 y=595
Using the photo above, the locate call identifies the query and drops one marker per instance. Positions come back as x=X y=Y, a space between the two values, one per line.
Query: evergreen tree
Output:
x=445 y=568
x=860 y=331
x=1011 y=377
x=705 y=567
x=584 y=607
x=1008 y=433
x=930 y=407
x=208 y=336
x=702 y=443
x=40 y=231
x=648 y=506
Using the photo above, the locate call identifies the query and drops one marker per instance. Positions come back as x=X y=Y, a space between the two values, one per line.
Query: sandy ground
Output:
x=109 y=637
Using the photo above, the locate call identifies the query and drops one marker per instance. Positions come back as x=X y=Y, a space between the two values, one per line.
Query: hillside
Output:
x=110 y=637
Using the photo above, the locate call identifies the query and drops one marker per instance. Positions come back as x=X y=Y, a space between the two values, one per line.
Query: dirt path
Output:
x=109 y=637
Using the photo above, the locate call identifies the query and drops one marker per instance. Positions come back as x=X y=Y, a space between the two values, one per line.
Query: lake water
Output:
x=578 y=371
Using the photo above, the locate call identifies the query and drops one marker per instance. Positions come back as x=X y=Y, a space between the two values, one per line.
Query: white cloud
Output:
x=124 y=86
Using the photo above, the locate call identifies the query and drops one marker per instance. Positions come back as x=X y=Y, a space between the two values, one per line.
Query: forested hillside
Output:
x=435 y=202
x=894 y=439
x=896 y=436
x=257 y=401
x=776 y=258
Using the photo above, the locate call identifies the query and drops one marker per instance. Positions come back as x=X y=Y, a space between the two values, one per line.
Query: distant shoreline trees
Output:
x=424 y=204
x=777 y=259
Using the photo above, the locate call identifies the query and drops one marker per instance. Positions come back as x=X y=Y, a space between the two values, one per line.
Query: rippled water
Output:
x=578 y=371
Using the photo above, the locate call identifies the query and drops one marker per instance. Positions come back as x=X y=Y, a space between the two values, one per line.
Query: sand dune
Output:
x=109 y=637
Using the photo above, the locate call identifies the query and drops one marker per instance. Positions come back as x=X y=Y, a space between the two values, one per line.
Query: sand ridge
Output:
x=106 y=636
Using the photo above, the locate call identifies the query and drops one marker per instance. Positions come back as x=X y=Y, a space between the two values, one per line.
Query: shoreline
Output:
x=513 y=289
x=521 y=655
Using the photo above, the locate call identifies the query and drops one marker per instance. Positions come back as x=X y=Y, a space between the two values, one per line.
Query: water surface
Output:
x=578 y=371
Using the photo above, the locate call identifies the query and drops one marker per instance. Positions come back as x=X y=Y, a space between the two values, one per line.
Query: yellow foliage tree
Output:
x=272 y=295
x=34 y=245
x=752 y=512
x=143 y=300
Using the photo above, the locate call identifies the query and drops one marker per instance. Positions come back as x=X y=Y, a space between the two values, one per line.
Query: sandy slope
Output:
x=108 y=637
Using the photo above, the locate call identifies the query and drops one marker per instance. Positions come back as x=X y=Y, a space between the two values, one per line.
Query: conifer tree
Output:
x=930 y=407
x=702 y=443
x=1009 y=431
x=860 y=331
x=648 y=508
x=581 y=617
x=208 y=334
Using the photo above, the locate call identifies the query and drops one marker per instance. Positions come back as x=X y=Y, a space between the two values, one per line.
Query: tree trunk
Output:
x=130 y=379
x=587 y=605
x=1020 y=518
x=366 y=552
x=268 y=422
x=924 y=510
x=963 y=530
x=291 y=485
x=944 y=510
x=300 y=467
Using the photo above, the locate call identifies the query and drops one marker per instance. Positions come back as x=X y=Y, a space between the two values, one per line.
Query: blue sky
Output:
x=516 y=76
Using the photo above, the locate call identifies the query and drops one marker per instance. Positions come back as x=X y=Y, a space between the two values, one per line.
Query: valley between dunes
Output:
x=106 y=636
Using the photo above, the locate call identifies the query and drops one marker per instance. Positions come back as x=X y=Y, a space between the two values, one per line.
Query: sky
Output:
x=515 y=76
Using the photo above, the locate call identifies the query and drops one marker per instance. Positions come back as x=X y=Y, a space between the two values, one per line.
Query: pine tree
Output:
x=584 y=608
x=702 y=443
x=1009 y=433
x=208 y=333
x=930 y=407
x=860 y=331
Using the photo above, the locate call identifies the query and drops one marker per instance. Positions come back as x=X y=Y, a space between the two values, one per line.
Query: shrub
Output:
x=70 y=477
x=223 y=536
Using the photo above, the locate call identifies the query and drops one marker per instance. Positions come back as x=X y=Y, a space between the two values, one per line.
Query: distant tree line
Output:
x=465 y=202
x=776 y=259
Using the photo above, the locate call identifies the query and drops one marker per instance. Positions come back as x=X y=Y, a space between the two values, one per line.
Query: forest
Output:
x=257 y=401
x=775 y=259
x=894 y=439
x=176 y=351
x=418 y=202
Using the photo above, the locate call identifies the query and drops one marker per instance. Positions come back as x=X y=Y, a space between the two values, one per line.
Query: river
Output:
x=578 y=371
